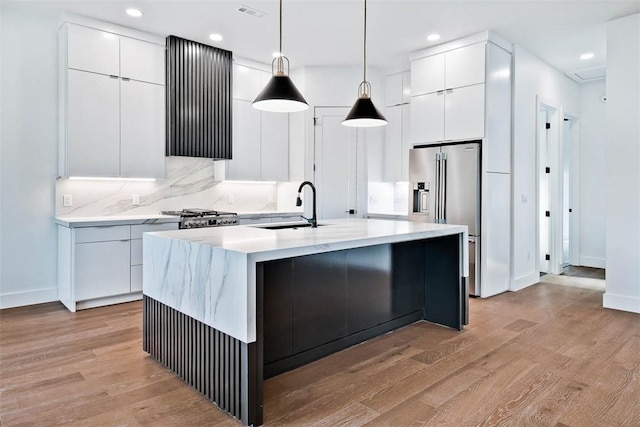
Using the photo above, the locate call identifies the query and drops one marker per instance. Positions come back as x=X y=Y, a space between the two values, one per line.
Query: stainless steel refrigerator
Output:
x=444 y=186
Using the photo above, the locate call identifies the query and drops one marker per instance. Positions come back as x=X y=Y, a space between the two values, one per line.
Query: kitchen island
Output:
x=226 y=307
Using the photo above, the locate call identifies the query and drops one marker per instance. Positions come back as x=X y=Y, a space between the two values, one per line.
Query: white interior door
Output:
x=335 y=174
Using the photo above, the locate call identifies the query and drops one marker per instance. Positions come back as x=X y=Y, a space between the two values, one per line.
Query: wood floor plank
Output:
x=547 y=355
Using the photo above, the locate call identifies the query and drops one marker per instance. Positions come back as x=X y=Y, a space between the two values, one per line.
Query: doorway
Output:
x=570 y=190
x=336 y=159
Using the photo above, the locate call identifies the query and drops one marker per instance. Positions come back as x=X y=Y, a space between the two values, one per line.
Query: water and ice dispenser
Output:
x=421 y=197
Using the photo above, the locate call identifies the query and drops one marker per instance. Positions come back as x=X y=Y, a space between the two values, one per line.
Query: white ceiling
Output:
x=329 y=32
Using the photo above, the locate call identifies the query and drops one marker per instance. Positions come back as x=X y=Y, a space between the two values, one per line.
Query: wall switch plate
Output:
x=67 y=200
x=135 y=200
x=230 y=198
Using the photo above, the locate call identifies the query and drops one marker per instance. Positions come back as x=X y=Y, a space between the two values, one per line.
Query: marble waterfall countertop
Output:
x=210 y=273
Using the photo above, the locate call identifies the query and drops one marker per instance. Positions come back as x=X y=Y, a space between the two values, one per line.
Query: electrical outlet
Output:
x=524 y=199
x=135 y=200
x=67 y=200
x=230 y=199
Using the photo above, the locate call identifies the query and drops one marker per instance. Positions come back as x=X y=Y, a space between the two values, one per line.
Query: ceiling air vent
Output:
x=251 y=11
x=591 y=74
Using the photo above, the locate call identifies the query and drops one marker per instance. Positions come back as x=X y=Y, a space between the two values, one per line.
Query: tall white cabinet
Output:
x=461 y=91
x=395 y=155
x=111 y=104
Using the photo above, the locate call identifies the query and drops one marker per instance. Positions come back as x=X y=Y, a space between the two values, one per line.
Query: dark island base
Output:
x=309 y=307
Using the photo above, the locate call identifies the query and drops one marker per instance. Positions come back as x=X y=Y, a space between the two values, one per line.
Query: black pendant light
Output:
x=280 y=95
x=364 y=113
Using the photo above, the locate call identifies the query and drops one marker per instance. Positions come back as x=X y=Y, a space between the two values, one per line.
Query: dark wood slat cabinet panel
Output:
x=199 y=90
x=315 y=305
x=408 y=277
x=443 y=284
x=278 y=309
x=319 y=299
x=369 y=287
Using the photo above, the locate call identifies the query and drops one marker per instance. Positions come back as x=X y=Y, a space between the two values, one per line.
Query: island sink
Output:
x=286 y=226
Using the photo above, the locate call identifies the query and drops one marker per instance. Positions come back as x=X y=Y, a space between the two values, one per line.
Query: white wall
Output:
x=591 y=211
x=532 y=78
x=29 y=157
x=623 y=164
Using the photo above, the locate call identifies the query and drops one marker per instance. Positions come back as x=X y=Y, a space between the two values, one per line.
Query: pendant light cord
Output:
x=280 y=28
x=365 y=41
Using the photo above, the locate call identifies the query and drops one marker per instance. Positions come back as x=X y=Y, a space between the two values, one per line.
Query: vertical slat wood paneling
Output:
x=199 y=79
x=205 y=358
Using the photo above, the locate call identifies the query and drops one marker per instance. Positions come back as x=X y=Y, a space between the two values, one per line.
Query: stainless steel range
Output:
x=199 y=218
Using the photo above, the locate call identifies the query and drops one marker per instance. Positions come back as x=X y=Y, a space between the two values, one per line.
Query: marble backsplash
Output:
x=190 y=183
x=389 y=198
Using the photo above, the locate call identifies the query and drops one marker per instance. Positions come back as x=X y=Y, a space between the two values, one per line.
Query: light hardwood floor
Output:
x=549 y=355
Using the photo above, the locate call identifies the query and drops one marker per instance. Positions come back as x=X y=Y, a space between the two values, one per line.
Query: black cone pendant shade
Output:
x=364 y=113
x=280 y=95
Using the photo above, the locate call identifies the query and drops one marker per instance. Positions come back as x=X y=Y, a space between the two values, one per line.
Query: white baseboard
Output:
x=522 y=282
x=589 y=261
x=621 y=302
x=19 y=299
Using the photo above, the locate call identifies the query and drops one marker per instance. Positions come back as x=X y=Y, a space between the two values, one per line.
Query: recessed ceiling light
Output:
x=215 y=37
x=276 y=54
x=433 y=37
x=134 y=12
x=586 y=56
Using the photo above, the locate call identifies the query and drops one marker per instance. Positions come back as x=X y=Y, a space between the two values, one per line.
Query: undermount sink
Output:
x=285 y=226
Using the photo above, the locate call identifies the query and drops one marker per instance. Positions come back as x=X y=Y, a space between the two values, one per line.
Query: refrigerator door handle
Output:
x=443 y=204
x=436 y=210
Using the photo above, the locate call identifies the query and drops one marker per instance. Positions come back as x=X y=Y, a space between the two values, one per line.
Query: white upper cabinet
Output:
x=393 y=90
x=465 y=66
x=448 y=95
x=93 y=140
x=427 y=75
x=245 y=157
x=247 y=82
x=457 y=68
x=464 y=113
x=427 y=118
x=142 y=130
x=397 y=89
x=112 y=105
x=143 y=61
x=406 y=87
x=260 y=139
x=92 y=50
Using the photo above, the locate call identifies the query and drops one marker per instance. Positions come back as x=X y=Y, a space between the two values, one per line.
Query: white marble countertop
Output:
x=210 y=273
x=99 y=221
x=262 y=244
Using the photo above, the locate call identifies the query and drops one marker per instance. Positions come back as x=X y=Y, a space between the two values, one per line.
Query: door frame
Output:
x=554 y=161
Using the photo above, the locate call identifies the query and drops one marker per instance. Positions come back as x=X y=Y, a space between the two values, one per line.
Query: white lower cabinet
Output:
x=101 y=265
x=101 y=269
